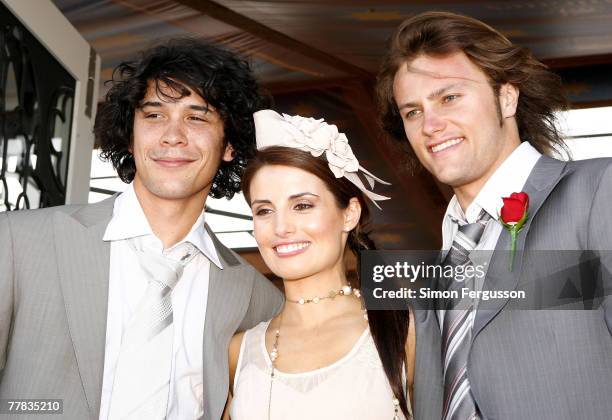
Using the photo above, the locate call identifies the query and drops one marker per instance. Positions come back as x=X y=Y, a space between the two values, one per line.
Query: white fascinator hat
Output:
x=318 y=138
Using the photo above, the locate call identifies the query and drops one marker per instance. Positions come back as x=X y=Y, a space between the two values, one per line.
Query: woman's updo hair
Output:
x=341 y=188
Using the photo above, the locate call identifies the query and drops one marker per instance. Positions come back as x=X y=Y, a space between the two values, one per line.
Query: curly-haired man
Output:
x=125 y=308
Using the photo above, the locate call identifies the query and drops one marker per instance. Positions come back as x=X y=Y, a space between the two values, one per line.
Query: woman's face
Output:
x=299 y=228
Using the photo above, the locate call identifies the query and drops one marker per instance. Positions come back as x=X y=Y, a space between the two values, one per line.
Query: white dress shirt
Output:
x=127 y=284
x=508 y=178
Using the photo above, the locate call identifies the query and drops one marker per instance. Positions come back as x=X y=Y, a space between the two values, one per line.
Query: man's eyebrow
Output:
x=443 y=90
x=150 y=103
x=157 y=104
x=433 y=95
x=203 y=108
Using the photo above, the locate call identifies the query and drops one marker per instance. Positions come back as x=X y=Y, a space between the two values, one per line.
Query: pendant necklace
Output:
x=344 y=291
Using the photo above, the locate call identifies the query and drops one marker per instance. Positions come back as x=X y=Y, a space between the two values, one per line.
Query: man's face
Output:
x=177 y=146
x=457 y=127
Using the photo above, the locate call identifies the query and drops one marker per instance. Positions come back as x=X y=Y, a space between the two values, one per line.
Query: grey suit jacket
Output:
x=54 y=270
x=537 y=364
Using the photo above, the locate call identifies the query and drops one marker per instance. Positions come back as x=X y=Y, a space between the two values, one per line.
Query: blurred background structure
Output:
x=315 y=58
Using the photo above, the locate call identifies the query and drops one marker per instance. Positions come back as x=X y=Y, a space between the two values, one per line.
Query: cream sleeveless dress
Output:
x=353 y=388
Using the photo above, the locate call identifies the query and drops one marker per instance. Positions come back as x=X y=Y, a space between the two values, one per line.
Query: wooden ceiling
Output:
x=318 y=40
x=319 y=57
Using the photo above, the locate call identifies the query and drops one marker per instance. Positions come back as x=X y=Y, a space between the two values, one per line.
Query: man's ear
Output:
x=508 y=100
x=228 y=153
x=352 y=214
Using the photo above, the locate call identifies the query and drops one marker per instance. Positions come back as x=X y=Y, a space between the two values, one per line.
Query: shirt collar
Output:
x=508 y=178
x=129 y=221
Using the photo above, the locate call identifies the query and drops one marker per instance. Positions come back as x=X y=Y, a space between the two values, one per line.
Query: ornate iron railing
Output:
x=36 y=108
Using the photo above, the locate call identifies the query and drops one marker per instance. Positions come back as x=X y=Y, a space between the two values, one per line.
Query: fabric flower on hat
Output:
x=340 y=157
x=316 y=137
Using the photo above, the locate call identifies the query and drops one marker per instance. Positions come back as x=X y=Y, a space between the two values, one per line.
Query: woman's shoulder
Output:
x=244 y=340
x=258 y=329
x=250 y=334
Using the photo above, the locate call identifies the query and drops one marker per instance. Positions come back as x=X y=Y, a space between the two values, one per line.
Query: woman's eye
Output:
x=303 y=206
x=152 y=116
x=196 y=118
x=262 y=212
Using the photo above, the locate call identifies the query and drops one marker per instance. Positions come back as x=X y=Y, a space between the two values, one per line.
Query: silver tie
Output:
x=142 y=375
x=459 y=403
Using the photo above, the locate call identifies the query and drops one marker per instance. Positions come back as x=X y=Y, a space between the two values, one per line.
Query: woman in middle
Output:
x=322 y=357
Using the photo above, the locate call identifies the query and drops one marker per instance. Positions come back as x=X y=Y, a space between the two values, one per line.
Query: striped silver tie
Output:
x=457 y=328
x=142 y=375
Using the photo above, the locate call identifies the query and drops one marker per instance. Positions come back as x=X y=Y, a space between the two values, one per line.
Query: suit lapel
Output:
x=229 y=293
x=543 y=178
x=83 y=263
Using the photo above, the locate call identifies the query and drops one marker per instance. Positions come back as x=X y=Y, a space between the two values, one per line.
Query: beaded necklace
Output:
x=344 y=291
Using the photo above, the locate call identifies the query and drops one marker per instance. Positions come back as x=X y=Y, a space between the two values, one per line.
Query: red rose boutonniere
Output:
x=514 y=214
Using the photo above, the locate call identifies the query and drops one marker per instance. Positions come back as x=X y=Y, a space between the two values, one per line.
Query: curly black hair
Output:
x=220 y=77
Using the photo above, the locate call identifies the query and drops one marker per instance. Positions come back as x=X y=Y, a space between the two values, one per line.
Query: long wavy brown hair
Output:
x=442 y=33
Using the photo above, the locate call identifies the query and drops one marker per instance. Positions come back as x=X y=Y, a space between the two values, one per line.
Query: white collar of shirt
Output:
x=129 y=221
x=508 y=178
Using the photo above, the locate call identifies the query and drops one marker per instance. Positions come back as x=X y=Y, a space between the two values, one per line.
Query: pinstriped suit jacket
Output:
x=54 y=270
x=544 y=364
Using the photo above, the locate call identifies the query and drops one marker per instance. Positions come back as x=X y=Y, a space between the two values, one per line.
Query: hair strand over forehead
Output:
x=220 y=77
x=439 y=34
